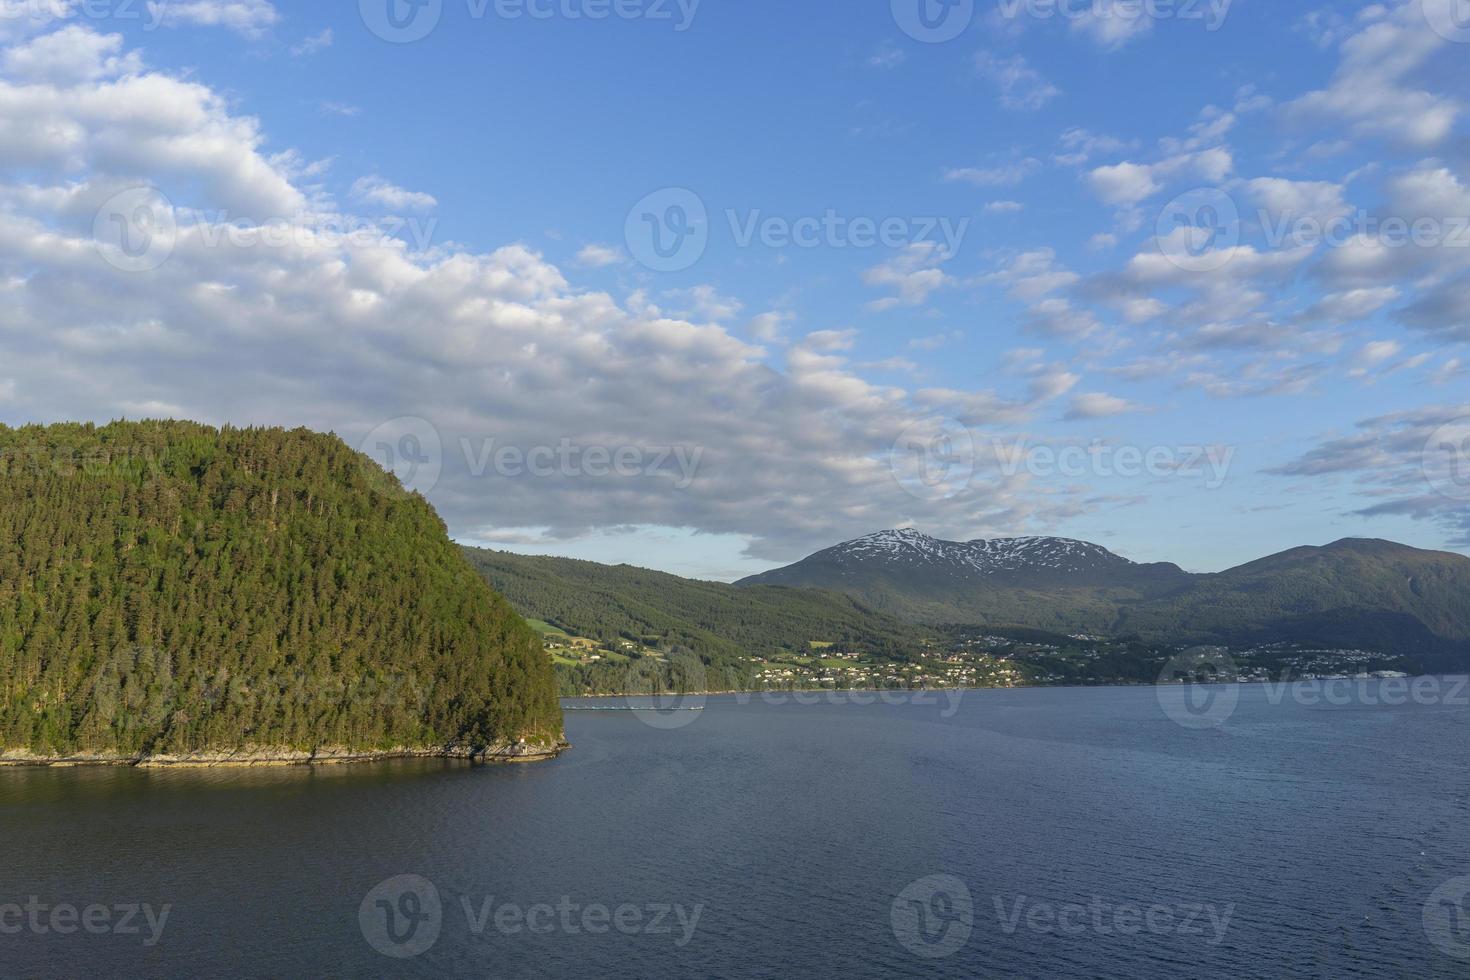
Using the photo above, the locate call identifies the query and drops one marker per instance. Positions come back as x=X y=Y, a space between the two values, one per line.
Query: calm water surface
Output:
x=831 y=839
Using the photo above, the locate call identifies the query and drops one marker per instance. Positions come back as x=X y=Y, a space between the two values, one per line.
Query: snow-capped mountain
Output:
x=911 y=574
x=988 y=557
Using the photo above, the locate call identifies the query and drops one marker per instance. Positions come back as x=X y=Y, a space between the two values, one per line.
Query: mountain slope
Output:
x=169 y=589
x=723 y=625
x=1364 y=590
x=1047 y=583
x=1353 y=592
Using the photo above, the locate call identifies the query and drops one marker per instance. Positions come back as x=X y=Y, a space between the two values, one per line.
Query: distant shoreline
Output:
x=257 y=758
x=1013 y=687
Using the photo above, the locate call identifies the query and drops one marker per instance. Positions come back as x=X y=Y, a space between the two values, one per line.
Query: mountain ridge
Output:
x=1403 y=597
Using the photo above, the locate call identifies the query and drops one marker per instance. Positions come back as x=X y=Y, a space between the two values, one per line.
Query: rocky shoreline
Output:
x=255 y=756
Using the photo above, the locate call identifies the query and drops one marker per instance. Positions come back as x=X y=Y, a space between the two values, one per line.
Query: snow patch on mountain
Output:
x=912 y=547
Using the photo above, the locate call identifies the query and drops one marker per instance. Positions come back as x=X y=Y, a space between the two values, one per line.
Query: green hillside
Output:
x=167 y=589
x=722 y=626
x=1365 y=591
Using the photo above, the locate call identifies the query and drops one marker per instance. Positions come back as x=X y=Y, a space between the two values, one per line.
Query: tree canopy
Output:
x=170 y=588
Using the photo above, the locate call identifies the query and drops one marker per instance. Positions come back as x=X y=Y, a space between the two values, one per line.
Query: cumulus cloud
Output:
x=1127 y=184
x=1410 y=464
x=298 y=322
x=71 y=55
x=1371 y=92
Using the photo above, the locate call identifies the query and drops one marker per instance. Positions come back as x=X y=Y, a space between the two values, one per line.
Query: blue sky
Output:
x=1163 y=230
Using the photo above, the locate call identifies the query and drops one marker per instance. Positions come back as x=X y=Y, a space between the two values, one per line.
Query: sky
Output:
x=706 y=285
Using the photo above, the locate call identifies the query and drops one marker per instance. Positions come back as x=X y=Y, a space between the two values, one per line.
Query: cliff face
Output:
x=172 y=593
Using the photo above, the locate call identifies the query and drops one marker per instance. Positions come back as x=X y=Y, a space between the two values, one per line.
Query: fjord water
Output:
x=806 y=836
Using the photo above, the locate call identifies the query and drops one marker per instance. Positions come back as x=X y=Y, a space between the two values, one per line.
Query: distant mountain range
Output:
x=1355 y=592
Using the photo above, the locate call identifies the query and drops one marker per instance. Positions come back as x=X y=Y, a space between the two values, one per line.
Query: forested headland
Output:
x=168 y=589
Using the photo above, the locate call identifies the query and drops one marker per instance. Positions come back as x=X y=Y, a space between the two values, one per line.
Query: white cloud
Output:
x=914 y=273
x=252 y=18
x=1080 y=146
x=70 y=56
x=377 y=190
x=1350 y=305
x=1021 y=86
x=1373 y=355
x=1112 y=24
x=598 y=256
x=1285 y=201
x=1004 y=207
x=1031 y=275
x=1096 y=405
x=935 y=341
x=704 y=302
x=770 y=327
x=146 y=123
x=1370 y=92
x=313 y=44
x=1001 y=175
x=888 y=55
x=1128 y=184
